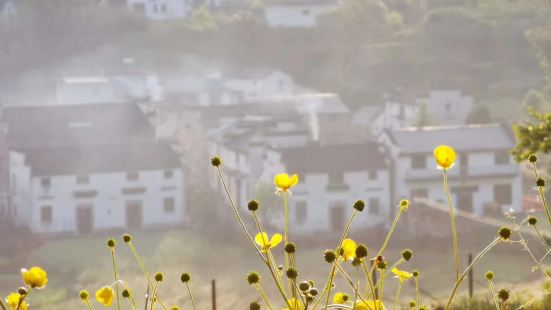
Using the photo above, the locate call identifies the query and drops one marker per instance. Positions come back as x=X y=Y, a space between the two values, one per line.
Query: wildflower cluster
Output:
x=33 y=279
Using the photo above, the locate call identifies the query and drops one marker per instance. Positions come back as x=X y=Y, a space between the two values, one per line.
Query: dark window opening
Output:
x=46 y=214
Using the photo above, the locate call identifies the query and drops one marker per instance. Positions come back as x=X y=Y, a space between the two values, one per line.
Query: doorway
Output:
x=134 y=215
x=337 y=218
x=85 y=220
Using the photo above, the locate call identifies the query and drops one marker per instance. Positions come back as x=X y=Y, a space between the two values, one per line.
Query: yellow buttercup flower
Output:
x=349 y=249
x=284 y=182
x=445 y=156
x=295 y=304
x=340 y=298
x=105 y=296
x=13 y=302
x=265 y=243
x=401 y=274
x=35 y=277
x=369 y=305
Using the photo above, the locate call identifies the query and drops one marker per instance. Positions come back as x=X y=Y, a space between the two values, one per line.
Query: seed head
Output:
x=22 y=291
x=490 y=275
x=412 y=304
x=159 y=277
x=313 y=291
x=125 y=293
x=415 y=273
x=359 y=205
x=290 y=248
x=404 y=204
x=253 y=278
x=253 y=205
x=84 y=295
x=533 y=158
x=185 y=277
x=540 y=182
x=216 y=161
x=111 y=243
x=126 y=238
x=503 y=294
x=329 y=256
x=291 y=273
x=381 y=264
x=407 y=254
x=304 y=286
x=174 y=308
x=361 y=251
x=505 y=233
x=254 y=306
x=532 y=220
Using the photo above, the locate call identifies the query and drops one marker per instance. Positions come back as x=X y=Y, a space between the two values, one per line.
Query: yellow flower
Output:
x=445 y=156
x=35 y=277
x=284 y=182
x=340 y=298
x=105 y=296
x=401 y=274
x=369 y=305
x=295 y=304
x=13 y=302
x=265 y=243
x=349 y=249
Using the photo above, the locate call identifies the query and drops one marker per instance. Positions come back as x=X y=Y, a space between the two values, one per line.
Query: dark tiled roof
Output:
x=84 y=139
x=334 y=158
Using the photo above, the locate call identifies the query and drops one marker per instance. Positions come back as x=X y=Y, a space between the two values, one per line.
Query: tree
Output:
x=534 y=136
x=479 y=114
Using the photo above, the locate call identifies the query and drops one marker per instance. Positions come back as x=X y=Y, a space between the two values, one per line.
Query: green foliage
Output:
x=534 y=136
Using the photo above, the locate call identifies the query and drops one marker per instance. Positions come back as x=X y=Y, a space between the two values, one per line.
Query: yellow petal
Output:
x=276 y=239
x=13 y=302
x=295 y=304
x=282 y=180
x=338 y=298
x=293 y=180
x=35 y=277
x=445 y=156
x=105 y=296
x=369 y=305
x=401 y=274
x=349 y=247
x=262 y=240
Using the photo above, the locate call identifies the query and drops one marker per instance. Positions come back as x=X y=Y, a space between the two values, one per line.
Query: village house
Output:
x=485 y=179
x=93 y=167
x=332 y=178
x=161 y=9
x=447 y=107
x=297 y=13
x=389 y=115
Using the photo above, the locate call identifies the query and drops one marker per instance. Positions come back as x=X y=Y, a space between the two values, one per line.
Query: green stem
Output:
x=263 y=295
x=236 y=213
x=398 y=294
x=356 y=287
x=22 y=298
x=542 y=195
x=542 y=239
x=89 y=304
x=382 y=286
x=191 y=296
x=116 y=277
x=370 y=283
x=494 y=294
x=391 y=231
x=154 y=296
x=417 y=291
x=389 y=270
x=286 y=239
x=2 y=305
x=144 y=271
x=454 y=229
x=464 y=274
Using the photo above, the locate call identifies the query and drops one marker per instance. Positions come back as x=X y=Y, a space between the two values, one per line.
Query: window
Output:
x=168 y=174
x=336 y=178
x=305 y=12
x=419 y=193
x=300 y=212
x=168 y=205
x=372 y=175
x=373 y=206
x=46 y=214
x=14 y=210
x=45 y=182
x=418 y=161
x=83 y=179
x=501 y=158
x=502 y=194
x=139 y=7
x=163 y=8
x=132 y=176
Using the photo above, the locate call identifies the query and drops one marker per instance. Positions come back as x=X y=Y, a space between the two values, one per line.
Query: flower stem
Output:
x=388 y=270
x=542 y=195
x=494 y=294
x=236 y=213
x=542 y=239
x=286 y=239
x=464 y=274
x=2 y=305
x=417 y=291
x=22 y=298
x=370 y=283
x=454 y=229
x=398 y=294
x=263 y=295
x=191 y=296
x=154 y=296
x=357 y=286
x=391 y=231
x=89 y=304
x=116 y=277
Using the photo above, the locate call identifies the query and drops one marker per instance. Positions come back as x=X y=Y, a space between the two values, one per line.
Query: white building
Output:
x=93 y=167
x=297 y=13
x=7 y=8
x=447 y=107
x=102 y=89
x=161 y=9
x=484 y=177
x=390 y=115
x=332 y=178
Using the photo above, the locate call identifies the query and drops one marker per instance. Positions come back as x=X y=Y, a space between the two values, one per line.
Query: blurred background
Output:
x=111 y=110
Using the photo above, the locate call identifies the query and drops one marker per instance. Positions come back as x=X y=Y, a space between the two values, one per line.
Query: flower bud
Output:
x=407 y=254
x=126 y=238
x=254 y=306
x=330 y=256
x=216 y=161
x=489 y=275
x=505 y=233
x=111 y=243
x=533 y=158
x=532 y=220
x=540 y=182
x=253 y=278
x=185 y=277
x=359 y=205
x=290 y=248
x=304 y=286
x=159 y=277
x=84 y=295
x=291 y=273
x=503 y=294
x=253 y=205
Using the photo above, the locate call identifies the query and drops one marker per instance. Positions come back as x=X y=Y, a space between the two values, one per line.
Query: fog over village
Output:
x=111 y=110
